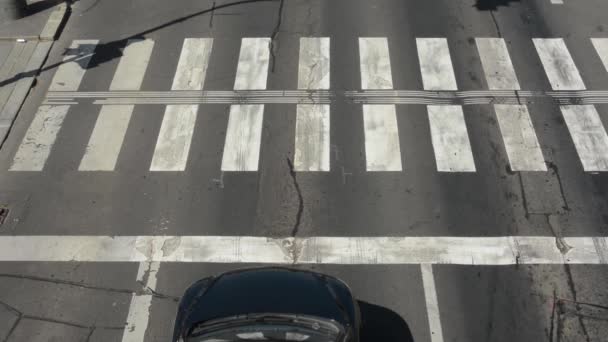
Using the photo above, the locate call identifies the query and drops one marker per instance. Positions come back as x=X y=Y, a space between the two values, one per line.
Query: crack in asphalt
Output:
x=555 y=170
x=573 y=293
x=275 y=33
x=89 y=286
x=495 y=24
x=292 y=173
x=21 y=316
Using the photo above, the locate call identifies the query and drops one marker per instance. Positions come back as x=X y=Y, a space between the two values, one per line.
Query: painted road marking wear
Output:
x=175 y=137
x=111 y=126
x=448 y=129
x=312 y=120
x=313 y=99
x=583 y=121
x=505 y=250
x=244 y=134
x=432 y=305
x=139 y=310
x=42 y=133
x=382 y=150
x=523 y=150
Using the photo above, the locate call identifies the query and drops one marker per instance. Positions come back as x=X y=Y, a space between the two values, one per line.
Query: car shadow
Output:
x=492 y=5
x=381 y=324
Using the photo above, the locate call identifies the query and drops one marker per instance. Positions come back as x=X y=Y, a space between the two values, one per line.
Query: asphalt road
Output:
x=90 y=301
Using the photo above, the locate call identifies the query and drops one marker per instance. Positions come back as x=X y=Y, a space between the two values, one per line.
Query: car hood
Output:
x=265 y=290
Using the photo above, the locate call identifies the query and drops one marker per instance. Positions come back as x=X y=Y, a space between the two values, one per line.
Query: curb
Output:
x=25 y=77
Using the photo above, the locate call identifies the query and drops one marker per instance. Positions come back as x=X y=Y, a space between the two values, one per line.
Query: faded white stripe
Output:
x=589 y=136
x=312 y=138
x=243 y=138
x=111 y=126
x=496 y=64
x=558 y=64
x=252 y=68
x=382 y=151
x=432 y=305
x=436 y=64
x=39 y=139
x=375 y=64
x=601 y=46
x=520 y=140
x=506 y=250
x=139 y=310
x=312 y=121
x=244 y=132
x=175 y=137
x=450 y=139
x=313 y=66
x=42 y=133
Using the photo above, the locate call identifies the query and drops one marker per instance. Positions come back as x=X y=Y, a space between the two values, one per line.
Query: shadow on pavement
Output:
x=492 y=5
x=381 y=324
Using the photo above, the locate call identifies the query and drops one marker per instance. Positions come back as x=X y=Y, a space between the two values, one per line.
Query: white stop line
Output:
x=506 y=250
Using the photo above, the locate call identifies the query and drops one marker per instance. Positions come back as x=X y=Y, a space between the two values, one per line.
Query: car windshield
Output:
x=267 y=330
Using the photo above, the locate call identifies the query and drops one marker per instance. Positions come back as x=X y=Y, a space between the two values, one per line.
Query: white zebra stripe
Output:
x=382 y=149
x=312 y=120
x=244 y=133
x=589 y=136
x=601 y=46
x=523 y=150
x=111 y=126
x=175 y=137
x=42 y=133
x=558 y=64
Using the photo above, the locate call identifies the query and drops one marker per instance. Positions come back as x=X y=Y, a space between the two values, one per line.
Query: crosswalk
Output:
x=313 y=99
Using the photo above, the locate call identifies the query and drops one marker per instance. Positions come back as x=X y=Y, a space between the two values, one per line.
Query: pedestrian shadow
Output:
x=381 y=324
x=492 y=5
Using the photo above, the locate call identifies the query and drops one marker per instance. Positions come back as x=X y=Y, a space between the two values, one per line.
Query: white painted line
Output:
x=436 y=64
x=175 y=137
x=557 y=2
x=312 y=138
x=382 y=151
x=375 y=64
x=312 y=121
x=42 y=133
x=589 y=136
x=313 y=65
x=139 y=310
x=111 y=126
x=558 y=63
x=243 y=138
x=70 y=73
x=450 y=139
x=601 y=46
x=518 y=133
x=39 y=139
x=244 y=133
x=496 y=64
x=252 y=68
x=432 y=305
x=507 y=250
x=521 y=143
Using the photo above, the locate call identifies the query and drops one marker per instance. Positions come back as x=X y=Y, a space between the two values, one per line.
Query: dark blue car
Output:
x=268 y=304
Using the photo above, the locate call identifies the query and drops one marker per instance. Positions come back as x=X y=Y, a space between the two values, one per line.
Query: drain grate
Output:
x=3 y=214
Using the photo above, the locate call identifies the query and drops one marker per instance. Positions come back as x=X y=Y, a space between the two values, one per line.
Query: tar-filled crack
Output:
x=88 y=286
x=495 y=24
x=275 y=33
x=560 y=243
x=22 y=316
x=553 y=167
x=292 y=173
x=523 y=196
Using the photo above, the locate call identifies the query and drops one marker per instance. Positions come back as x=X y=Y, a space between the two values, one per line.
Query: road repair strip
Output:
x=508 y=250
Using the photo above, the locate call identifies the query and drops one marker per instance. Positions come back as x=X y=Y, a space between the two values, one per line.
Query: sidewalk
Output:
x=24 y=46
